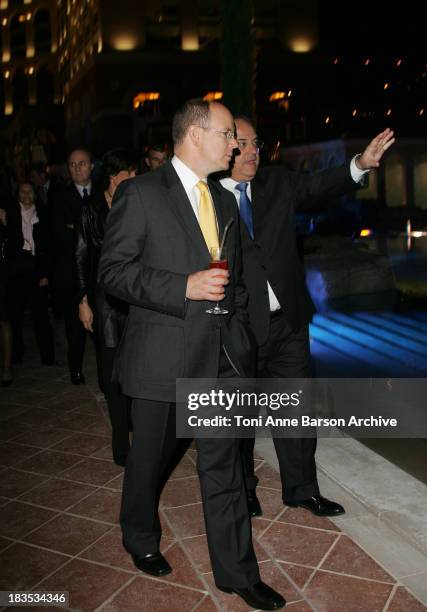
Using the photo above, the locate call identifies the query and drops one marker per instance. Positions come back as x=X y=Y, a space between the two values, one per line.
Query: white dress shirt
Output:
x=80 y=188
x=230 y=184
x=189 y=181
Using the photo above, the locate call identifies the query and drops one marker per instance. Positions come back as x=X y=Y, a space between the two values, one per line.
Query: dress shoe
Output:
x=77 y=378
x=154 y=564
x=254 y=507
x=259 y=596
x=318 y=505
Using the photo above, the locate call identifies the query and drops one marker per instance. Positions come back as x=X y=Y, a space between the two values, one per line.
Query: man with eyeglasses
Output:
x=156 y=257
x=66 y=211
x=279 y=306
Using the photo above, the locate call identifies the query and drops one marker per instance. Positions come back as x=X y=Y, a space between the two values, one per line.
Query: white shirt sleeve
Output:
x=356 y=173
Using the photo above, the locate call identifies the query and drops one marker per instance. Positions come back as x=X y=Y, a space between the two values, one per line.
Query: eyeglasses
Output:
x=80 y=164
x=229 y=134
x=243 y=143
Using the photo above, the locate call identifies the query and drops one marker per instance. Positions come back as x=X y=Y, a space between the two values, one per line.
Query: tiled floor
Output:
x=59 y=505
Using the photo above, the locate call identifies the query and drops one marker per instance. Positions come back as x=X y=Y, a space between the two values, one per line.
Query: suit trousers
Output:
x=286 y=354
x=74 y=330
x=25 y=291
x=222 y=486
x=118 y=403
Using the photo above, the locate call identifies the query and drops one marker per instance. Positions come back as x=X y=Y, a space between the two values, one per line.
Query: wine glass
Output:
x=218 y=260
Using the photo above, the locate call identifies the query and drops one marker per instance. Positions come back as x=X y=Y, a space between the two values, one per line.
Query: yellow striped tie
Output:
x=207 y=219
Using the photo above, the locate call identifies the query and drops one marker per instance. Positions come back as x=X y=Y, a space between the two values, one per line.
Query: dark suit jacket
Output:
x=276 y=194
x=66 y=210
x=152 y=243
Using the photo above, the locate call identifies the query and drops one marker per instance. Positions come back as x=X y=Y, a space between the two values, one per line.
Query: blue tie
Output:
x=245 y=208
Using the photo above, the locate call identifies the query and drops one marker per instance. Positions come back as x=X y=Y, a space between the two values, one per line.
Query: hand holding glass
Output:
x=218 y=260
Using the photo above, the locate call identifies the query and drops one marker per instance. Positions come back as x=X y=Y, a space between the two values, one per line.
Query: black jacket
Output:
x=152 y=243
x=109 y=313
x=66 y=210
x=272 y=256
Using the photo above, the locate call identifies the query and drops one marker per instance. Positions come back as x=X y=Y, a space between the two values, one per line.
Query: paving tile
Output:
x=181 y=492
x=183 y=572
x=10 y=430
x=66 y=403
x=12 y=453
x=403 y=601
x=301 y=516
x=102 y=505
x=417 y=585
x=259 y=525
x=24 y=566
x=109 y=550
x=103 y=452
x=80 y=422
x=271 y=575
x=184 y=469
x=300 y=606
x=207 y=605
x=297 y=544
x=18 y=519
x=271 y=502
x=81 y=444
x=93 y=471
x=187 y=520
x=298 y=573
x=79 y=578
x=49 y=462
x=116 y=483
x=37 y=417
x=26 y=397
x=197 y=548
x=154 y=595
x=15 y=482
x=57 y=494
x=11 y=412
x=99 y=427
x=43 y=438
x=348 y=558
x=67 y=534
x=269 y=477
x=4 y=543
x=346 y=594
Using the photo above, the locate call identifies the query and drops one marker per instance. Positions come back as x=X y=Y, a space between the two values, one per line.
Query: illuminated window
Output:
x=213 y=95
x=145 y=96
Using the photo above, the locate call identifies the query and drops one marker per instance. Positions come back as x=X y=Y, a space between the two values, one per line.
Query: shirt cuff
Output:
x=356 y=173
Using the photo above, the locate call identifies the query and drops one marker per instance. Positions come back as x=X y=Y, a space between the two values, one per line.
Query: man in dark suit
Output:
x=66 y=209
x=156 y=257
x=279 y=306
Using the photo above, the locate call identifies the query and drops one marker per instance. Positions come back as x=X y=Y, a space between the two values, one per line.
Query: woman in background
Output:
x=28 y=260
x=101 y=314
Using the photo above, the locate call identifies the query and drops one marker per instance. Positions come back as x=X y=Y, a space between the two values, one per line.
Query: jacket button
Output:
x=263 y=267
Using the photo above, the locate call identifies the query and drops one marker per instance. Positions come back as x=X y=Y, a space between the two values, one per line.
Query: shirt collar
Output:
x=80 y=188
x=188 y=178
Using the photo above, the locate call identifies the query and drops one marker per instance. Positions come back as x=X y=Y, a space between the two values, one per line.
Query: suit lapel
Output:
x=257 y=198
x=181 y=206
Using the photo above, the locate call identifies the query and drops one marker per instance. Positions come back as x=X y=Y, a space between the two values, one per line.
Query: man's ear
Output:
x=194 y=134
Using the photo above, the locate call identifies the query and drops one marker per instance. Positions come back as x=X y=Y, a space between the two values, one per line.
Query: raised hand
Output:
x=373 y=153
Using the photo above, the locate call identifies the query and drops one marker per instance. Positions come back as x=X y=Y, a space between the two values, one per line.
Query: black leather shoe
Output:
x=154 y=564
x=318 y=505
x=259 y=596
x=77 y=378
x=254 y=507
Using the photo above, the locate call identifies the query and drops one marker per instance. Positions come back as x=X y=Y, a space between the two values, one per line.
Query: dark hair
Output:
x=193 y=112
x=115 y=161
x=155 y=147
x=246 y=119
x=82 y=149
